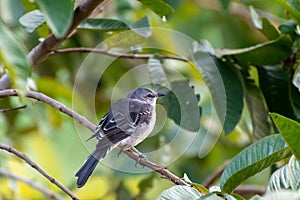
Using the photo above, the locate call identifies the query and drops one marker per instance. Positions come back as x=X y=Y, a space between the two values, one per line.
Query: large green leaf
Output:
x=13 y=57
x=258 y=110
x=32 y=20
x=225 y=88
x=160 y=7
x=181 y=104
x=137 y=34
x=268 y=53
x=252 y=160
x=179 y=192
x=290 y=130
x=104 y=25
x=287 y=177
x=58 y=15
x=157 y=73
x=275 y=85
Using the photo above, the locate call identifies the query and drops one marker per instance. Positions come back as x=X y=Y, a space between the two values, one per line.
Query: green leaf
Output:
x=32 y=20
x=258 y=110
x=275 y=85
x=294 y=4
x=211 y=196
x=13 y=57
x=291 y=10
x=296 y=78
x=181 y=105
x=284 y=194
x=142 y=27
x=179 y=192
x=137 y=34
x=264 y=25
x=290 y=130
x=225 y=4
x=160 y=7
x=224 y=86
x=268 y=53
x=58 y=15
x=103 y=25
x=287 y=177
x=157 y=73
x=10 y=12
x=252 y=160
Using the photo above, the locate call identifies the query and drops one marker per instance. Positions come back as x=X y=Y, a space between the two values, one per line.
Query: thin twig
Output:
x=32 y=184
x=52 y=102
x=114 y=54
x=211 y=179
x=11 y=109
x=36 y=167
x=145 y=162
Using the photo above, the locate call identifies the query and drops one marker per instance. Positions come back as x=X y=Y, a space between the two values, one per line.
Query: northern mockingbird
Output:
x=127 y=123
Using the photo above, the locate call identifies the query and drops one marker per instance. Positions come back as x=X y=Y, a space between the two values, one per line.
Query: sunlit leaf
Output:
x=32 y=20
x=160 y=7
x=287 y=177
x=258 y=110
x=58 y=15
x=103 y=25
x=290 y=130
x=268 y=53
x=252 y=160
x=181 y=104
x=224 y=86
x=179 y=192
x=13 y=57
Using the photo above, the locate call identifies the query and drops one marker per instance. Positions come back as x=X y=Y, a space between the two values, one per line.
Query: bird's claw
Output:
x=141 y=157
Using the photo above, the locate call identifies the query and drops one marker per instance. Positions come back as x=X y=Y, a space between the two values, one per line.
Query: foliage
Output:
x=220 y=71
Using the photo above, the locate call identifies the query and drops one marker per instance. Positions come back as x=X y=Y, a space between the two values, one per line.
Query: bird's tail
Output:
x=90 y=164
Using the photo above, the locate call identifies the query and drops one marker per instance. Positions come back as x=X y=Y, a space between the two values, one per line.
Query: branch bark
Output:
x=52 y=102
x=36 y=167
x=80 y=119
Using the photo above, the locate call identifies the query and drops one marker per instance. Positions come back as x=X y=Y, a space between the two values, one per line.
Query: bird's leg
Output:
x=141 y=156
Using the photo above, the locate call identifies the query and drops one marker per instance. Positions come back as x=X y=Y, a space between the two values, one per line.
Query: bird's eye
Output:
x=149 y=95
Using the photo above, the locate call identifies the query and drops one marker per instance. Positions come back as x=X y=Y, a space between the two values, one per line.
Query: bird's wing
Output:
x=121 y=121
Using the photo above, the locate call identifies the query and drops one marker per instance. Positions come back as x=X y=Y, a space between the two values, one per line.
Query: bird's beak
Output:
x=160 y=94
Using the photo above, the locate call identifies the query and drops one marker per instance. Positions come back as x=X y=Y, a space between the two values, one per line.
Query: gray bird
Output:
x=127 y=123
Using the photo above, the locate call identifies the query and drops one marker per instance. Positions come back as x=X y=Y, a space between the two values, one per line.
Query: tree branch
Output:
x=114 y=54
x=41 y=51
x=59 y=106
x=32 y=184
x=36 y=167
x=52 y=102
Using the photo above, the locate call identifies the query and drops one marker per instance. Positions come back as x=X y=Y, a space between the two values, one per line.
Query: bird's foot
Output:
x=141 y=157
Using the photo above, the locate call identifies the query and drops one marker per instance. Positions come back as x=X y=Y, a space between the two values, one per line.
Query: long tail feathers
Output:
x=89 y=165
